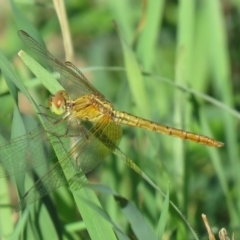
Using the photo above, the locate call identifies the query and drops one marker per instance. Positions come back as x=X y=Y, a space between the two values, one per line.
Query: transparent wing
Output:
x=101 y=140
x=54 y=179
x=95 y=143
x=73 y=81
x=71 y=84
x=28 y=151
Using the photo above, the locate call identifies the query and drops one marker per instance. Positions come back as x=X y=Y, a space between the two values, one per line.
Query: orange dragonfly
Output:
x=88 y=130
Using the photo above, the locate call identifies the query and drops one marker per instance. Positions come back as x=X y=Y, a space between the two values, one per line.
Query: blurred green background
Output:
x=191 y=51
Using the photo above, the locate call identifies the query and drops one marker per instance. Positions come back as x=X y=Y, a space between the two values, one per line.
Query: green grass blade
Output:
x=164 y=216
x=149 y=35
x=135 y=78
x=139 y=226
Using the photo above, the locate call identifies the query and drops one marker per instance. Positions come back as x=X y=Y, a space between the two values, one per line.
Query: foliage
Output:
x=189 y=58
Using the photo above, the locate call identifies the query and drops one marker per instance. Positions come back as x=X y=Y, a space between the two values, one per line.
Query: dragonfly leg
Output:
x=83 y=132
x=48 y=118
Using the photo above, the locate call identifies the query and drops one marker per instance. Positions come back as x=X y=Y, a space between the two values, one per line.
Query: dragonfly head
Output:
x=57 y=103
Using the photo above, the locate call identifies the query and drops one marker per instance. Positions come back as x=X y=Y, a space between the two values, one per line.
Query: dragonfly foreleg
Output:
x=48 y=118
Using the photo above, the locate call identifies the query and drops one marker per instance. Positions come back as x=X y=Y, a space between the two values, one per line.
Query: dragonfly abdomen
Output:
x=128 y=119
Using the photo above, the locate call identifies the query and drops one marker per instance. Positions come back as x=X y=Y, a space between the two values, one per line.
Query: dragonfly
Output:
x=87 y=129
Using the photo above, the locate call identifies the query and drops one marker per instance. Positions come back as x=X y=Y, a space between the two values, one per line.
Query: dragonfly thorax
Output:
x=102 y=105
x=91 y=108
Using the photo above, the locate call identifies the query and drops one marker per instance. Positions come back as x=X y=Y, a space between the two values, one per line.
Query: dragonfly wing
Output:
x=100 y=140
x=73 y=81
x=54 y=179
x=81 y=78
x=31 y=150
x=24 y=153
x=90 y=144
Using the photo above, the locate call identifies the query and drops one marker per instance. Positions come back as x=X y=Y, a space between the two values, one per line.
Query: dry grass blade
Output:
x=210 y=234
x=223 y=235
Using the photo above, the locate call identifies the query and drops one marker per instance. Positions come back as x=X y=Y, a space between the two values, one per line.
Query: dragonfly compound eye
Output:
x=57 y=103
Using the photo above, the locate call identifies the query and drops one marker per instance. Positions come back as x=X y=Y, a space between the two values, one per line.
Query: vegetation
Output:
x=176 y=63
